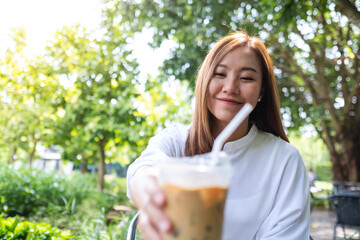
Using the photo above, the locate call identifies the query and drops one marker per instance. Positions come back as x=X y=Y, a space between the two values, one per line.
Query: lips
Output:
x=229 y=101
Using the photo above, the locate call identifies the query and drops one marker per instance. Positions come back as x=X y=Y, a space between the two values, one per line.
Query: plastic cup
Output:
x=196 y=191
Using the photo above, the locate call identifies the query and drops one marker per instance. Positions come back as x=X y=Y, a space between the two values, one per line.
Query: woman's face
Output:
x=236 y=80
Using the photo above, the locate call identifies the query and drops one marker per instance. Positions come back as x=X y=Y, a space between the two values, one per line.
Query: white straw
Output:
x=230 y=128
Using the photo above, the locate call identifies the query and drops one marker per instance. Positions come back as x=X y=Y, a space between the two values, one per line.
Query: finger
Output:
x=157 y=217
x=155 y=193
x=146 y=229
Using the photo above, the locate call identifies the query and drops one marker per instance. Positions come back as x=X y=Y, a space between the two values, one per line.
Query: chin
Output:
x=225 y=118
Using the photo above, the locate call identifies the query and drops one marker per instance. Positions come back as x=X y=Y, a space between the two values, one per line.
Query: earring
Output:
x=259 y=99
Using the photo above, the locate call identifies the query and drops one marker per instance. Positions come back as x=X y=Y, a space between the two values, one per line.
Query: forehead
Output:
x=241 y=57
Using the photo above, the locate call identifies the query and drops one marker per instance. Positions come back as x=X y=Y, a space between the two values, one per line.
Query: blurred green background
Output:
x=87 y=101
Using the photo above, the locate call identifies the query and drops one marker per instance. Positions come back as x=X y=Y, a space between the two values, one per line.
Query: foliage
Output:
x=192 y=25
x=88 y=107
x=117 y=187
x=316 y=53
x=13 y=229
x=83 y=95
x=66 y=202
x=31 y=192
x=162 y=104
x=100 y=106
x=95 y=227
x=29 y=100
x=323 y=171
x=315 y=155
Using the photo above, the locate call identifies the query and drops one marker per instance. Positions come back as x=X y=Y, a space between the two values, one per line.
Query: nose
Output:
x=231 y=85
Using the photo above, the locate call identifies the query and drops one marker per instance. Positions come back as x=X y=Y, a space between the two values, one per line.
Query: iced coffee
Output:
x=196 y=191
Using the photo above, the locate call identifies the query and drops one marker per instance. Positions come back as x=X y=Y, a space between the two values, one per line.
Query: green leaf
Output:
x=13 y=226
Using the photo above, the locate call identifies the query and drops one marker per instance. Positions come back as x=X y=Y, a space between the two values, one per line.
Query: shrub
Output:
x=26 y=192
x=118 y=189
x=66 y=202
x=12 y=229
x=323 y=171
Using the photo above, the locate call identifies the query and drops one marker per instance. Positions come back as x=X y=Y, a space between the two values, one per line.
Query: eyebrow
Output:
x=242 y=69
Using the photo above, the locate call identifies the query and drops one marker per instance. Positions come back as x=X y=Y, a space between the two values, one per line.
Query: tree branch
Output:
x=348 y=9
x=357 y=109
x=312 y=88
x=328 y=139
x=287 y=70
x=324 y=92
x=343 y=72
x=354 y=93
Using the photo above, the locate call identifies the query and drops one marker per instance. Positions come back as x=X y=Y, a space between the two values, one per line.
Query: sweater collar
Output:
x=242 y=142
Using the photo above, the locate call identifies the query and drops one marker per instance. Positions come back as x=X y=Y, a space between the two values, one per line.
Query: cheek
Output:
x=252 y=93
x=214 y=88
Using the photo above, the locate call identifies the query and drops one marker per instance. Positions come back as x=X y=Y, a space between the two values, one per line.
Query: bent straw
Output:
x=230 y=128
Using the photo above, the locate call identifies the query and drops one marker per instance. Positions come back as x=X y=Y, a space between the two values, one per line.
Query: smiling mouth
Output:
x=229 y=101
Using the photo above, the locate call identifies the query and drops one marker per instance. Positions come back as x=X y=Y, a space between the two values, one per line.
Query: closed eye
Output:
x=247 y=78
x=219 y=74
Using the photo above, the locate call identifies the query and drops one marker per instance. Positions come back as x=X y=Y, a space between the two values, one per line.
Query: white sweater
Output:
x=269 y=193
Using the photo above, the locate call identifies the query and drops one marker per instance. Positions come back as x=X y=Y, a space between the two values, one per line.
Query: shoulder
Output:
x=271 y=139
x=174 y=131
x=283 y=156
x=282 y=150
x=170 y=140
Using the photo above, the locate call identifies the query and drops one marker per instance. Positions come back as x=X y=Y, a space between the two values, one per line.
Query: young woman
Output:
x=269 y=193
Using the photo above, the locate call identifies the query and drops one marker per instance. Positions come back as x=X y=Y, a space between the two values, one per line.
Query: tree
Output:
x=315 y=50
x=162 y=104
x=104 y=84
x=317 y=58
x=29 y=99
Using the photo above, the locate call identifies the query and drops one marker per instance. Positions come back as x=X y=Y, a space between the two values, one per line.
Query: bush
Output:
x=27 y=192
x=66 y=202
x=12 y=229
x=118 y=189
x=323 y=171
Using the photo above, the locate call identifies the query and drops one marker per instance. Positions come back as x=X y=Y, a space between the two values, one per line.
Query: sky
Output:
x=41 y=19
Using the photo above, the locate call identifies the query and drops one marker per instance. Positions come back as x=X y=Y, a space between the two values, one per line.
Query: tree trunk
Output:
x=346 y=161
x=84 y=164
x=12 y=156
x=32 y=153
x=101 y=170
x=346 y=169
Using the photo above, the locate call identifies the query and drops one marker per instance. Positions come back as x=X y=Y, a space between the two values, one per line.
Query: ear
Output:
x=261 y=94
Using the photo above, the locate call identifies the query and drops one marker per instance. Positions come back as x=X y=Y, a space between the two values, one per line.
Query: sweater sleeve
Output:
x=290 y=215
x=170 y=142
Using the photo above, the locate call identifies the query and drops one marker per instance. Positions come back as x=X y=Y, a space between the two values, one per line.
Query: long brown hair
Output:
x=266 y=115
